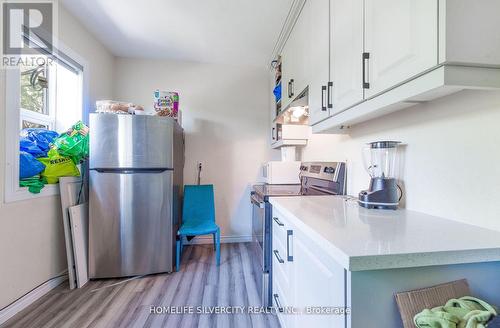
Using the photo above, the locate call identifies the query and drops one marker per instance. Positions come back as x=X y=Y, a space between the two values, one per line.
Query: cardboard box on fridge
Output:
x=166 y=103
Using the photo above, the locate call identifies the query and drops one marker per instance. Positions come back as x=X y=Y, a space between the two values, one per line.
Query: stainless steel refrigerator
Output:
x=136 y=169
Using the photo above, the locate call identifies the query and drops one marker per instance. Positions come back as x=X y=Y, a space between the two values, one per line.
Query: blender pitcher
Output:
x=379 y=158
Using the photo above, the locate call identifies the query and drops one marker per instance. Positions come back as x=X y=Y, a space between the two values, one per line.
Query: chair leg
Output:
x=178 y=253
x=217 y=247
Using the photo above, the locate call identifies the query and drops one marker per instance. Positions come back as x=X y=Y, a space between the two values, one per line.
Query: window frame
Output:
x=13 y=192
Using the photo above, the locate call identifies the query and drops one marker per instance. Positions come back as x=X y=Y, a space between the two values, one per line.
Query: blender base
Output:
x=380 y=206
x=382 y=194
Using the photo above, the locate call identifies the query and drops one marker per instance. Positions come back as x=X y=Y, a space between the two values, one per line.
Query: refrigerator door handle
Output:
x=132 y=170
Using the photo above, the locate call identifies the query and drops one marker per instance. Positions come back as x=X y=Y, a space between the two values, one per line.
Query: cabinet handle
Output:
x=278 y=304
x=329 y=97
x=323 y=90
x=272 y=134
x=278 y=221
x=278 y=257
x=289 y=245
x=366 y=57
x=291 y=88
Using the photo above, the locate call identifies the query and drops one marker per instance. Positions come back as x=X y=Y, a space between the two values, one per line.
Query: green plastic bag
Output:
x=58 y=166
x=74 y=143
x=35 y=184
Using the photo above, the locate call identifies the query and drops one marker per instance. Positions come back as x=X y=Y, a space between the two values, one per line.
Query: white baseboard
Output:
x=223 y=239
x=31 y=297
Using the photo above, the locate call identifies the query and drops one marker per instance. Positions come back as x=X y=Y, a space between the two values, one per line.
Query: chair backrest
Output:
x=198 y=203
x=412 y=302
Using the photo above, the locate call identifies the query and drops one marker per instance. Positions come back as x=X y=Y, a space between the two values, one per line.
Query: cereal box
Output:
x=166 y=103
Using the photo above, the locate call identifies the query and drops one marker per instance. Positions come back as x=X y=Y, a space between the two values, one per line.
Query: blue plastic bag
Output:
x=29 y=146
x=41 y=137
x=29 y=165
x=277 y=92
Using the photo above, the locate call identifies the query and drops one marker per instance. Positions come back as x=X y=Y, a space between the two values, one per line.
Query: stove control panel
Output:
x=321 y=177
x=317 y=169
x=331 y=171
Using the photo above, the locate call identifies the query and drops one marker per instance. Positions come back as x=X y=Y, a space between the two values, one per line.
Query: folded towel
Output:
x=465 y=312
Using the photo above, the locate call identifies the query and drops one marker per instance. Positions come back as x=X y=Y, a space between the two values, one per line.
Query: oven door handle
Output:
x=278 y=222
x=278 y=304
x=278 y=257
x=256 y=202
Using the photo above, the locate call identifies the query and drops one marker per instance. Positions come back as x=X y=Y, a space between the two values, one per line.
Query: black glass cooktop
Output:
x=268 y=190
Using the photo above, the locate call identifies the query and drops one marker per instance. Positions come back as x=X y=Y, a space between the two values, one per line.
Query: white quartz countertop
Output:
x=362 y=239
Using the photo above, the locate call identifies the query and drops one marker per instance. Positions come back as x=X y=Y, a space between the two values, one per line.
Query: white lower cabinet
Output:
x=318 y=284
x=308 y=284
x=282 y=274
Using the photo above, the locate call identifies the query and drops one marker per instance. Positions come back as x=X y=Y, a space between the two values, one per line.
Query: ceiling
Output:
x=212 y=31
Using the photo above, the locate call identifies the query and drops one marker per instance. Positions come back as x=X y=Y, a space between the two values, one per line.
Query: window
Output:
x=48 y=96
x=33 y=92
x=34 y=97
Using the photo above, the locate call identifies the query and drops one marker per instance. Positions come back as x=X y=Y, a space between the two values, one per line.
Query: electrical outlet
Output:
x=199 y=169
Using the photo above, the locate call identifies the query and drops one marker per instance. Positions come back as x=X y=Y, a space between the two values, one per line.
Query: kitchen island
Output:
x=359 y=258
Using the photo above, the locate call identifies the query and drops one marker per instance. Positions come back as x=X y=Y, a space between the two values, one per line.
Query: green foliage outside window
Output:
x=31 y=98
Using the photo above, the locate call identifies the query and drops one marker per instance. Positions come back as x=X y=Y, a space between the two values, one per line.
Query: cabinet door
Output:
x=294 y=59
x=286 y=73
x=319 y=283
x=282 y=269
x=346 y=53
x=318 y=43
x=401 y=37
x=299 y=38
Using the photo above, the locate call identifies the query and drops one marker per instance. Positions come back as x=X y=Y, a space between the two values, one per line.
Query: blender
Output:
x=380 y=163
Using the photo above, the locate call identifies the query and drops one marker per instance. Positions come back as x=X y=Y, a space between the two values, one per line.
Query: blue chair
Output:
x=198 y=218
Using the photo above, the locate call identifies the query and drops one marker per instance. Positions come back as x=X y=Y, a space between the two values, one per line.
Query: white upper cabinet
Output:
x=294 y=60
x=346 y=52
x=469 y=32
x=366 y=58
x=401 y=38
x=286 y=73
x=300 y=37
x=318 y=45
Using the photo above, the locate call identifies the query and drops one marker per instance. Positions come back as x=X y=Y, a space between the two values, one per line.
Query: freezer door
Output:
x=131 y=141
x=130 y=223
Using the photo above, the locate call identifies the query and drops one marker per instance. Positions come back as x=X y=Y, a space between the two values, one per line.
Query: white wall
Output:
x=101 y=62
x=225 y=116
x=451 y=161
x=31 y=234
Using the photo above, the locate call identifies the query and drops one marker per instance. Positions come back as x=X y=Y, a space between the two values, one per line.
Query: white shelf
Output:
x=289 y=142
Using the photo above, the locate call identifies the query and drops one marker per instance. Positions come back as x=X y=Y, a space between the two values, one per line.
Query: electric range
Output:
x=316 y=178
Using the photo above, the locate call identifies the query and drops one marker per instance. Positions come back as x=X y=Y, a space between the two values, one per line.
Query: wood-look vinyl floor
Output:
x=122 y=303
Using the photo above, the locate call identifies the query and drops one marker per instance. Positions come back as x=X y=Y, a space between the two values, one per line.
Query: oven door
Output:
x=258 y=224
x=260 y=239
